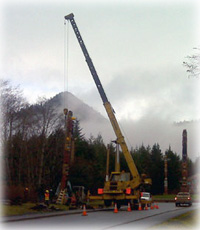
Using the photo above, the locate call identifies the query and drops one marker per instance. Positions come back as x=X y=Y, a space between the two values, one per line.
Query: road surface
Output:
x=106 y=219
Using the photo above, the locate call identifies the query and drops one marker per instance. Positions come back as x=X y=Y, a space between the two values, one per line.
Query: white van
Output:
x=146 y=196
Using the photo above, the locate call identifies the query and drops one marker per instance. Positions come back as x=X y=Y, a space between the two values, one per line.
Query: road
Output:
x=107 y=219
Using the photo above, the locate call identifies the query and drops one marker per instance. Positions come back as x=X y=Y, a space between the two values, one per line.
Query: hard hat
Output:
x=47 y=190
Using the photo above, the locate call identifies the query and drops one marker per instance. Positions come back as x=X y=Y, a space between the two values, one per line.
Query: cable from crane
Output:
x=66 y=64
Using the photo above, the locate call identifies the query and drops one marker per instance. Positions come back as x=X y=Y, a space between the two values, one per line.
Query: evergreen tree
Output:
x=77 y=130
x=174 y=171
x=142 y=159
x=157 y=170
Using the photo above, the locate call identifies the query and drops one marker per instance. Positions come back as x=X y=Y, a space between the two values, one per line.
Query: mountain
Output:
x=91 y=121
x=147 y=131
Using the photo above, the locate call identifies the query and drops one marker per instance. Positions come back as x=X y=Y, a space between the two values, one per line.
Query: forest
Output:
x=32 y=140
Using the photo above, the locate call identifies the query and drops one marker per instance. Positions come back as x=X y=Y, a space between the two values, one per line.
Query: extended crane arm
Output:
x=87 y=58
x=107 y=105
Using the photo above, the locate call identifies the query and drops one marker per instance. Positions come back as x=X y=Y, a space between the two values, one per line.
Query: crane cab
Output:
x=119 y=176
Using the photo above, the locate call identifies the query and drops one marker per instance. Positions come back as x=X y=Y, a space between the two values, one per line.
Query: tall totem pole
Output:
x=68 y=156
x=184 y=184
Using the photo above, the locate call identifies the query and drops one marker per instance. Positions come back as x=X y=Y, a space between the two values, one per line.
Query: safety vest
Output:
x=73 y=199
x=46 y=196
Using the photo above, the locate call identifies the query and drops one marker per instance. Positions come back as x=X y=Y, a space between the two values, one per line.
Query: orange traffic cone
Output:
x=129 y=207
x=115 y=210
x=157 y=206
x=84 y=211
x=140 y=207
x=146 y=208
x=152 y=206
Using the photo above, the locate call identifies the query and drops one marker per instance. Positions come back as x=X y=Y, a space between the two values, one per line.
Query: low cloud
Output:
x=149 y=131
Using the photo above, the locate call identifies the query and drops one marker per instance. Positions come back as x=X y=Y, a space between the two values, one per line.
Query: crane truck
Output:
x=121 y=187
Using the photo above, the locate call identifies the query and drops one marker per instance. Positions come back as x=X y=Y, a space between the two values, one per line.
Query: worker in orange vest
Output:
x=46 y=197
x=73 y=200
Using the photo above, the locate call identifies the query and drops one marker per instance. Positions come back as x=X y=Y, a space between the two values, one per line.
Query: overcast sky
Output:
x=137 y=49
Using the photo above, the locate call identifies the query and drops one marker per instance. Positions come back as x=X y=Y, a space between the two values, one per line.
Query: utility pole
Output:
x=166 y=174
x=117 y=159
x=107 y=162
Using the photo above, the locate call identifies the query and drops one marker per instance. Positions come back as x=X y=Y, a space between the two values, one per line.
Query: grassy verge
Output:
x=25 y=208
x=164 y=197
x=172 y=196
x=11 y=210
x=187 y=220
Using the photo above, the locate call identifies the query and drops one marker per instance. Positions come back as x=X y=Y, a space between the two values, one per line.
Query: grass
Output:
x=165 y=196
x=187 y=220
x=11 y=210
x=172 y=196
x=25 y=208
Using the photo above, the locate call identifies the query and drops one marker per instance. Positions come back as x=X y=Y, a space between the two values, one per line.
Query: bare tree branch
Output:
x=193 y=64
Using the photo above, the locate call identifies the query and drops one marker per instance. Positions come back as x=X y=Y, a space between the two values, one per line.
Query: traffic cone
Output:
x=84 y=211
x=152 y=206
x=140 y=207
x=115 y=210
x=129 y=207
x=156 y=206
x=146 y=208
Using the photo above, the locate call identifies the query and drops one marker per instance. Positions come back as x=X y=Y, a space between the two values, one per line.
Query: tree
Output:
x=46 y=120
x=193 y=64
x=89 y=167
x=53 y=161
x=157 y=170
x=12 y=101
x=174 y=170
x=191 y=167
x=142 y=159
x=77 y=131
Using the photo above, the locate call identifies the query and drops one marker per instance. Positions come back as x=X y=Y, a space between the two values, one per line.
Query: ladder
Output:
x=61 y=196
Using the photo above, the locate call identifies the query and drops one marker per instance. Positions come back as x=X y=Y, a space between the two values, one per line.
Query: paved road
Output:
x=107 y=219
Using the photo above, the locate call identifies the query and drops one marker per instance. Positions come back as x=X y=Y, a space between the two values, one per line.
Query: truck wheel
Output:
x=118 y=205
x=135 y=205
x=107 y=203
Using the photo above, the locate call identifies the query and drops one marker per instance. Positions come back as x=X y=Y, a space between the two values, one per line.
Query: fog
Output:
x=148 y=130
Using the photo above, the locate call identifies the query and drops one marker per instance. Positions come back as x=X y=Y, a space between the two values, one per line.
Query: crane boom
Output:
x=120 y=139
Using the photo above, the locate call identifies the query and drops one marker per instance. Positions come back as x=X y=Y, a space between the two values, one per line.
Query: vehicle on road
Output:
x=183 y=198
x=146 y=196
